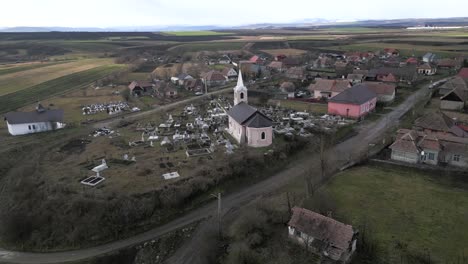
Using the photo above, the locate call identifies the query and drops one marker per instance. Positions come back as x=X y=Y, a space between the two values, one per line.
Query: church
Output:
x=246 y=124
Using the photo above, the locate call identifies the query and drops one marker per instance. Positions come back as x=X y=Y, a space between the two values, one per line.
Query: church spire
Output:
x=240 y=91
x=240 y=82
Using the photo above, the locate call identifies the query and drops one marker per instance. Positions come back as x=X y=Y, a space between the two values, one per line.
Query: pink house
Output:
x=355 y=102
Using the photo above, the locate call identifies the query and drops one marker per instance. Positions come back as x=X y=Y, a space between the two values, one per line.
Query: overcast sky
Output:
x=115 y=13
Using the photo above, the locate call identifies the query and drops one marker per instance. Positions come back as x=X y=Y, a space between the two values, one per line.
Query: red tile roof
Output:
x=254 y=59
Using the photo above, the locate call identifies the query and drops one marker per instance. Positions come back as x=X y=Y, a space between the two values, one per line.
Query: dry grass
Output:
x=10 y=83
x=287 y=52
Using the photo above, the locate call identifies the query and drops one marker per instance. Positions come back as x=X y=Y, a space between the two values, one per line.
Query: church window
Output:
x=242 y=96
x=263 y=135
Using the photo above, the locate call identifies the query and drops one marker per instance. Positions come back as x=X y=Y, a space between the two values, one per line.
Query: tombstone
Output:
x=151 y=143
x=134 y=159
x=143 y=136
x=125 y=156
x=229 y=148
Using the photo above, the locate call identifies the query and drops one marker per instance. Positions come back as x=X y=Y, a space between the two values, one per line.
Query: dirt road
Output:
x=357 y=144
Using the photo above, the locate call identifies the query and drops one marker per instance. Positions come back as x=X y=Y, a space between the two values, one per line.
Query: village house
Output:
x=451 y=84
x=448 y=64
x=324 y=88
x=229 y=73
x=140 y=87
x=439 y=124
x=214 y=78
x=355 y=102
x=385 y=91
x=355 y=78
x=407 y=74
x=429 y=57
x=391 y=52
x=454 y=100
x=195 y=85
x=415 y=147
x=224 y=60
x=295 y=73
x=426 y=69
x=322 y=235
x=255 y=59
x=165 y=90
x=40 y=120
x=323 y=62
x=275 y=66
x=181 y=78
x=288 y=88
x=412 y=61
x=247 y=125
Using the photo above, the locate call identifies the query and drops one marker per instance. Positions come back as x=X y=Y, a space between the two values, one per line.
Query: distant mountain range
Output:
x=313 y=22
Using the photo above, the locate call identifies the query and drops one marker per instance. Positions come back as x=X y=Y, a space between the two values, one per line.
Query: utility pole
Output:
x=218 y=196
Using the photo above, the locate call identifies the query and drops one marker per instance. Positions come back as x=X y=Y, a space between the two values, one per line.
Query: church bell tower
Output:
x=240 y=91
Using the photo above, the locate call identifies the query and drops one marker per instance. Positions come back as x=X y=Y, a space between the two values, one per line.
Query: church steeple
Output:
x=240 y=91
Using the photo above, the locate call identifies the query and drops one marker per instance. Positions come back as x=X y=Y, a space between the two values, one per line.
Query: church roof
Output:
x=241 y=112
x=258 y=120
x=246 y=115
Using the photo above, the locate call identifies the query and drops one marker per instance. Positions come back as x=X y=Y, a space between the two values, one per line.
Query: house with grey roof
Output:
x=246 y=124
x=40 y=120
x=355 y=102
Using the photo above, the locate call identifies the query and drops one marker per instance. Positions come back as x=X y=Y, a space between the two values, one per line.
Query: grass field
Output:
x=54 y=87
x=196 y=33
x=208 y=46
x=19 y=80
x=13 y=68
x=405 y=49
x=405 y=210
x=287 y=52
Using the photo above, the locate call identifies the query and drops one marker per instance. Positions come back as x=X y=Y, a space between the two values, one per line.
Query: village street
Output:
x=368 y=133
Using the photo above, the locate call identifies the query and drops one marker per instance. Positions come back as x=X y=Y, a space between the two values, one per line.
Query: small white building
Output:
x=246 y=124
x=322 y=235
x=40 y=120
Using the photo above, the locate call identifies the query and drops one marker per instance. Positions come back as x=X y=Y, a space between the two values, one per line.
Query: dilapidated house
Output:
x=454 y=100
x=140 y=87
x=322 y=235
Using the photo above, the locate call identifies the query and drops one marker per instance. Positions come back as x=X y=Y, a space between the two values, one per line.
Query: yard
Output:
x=407 y=212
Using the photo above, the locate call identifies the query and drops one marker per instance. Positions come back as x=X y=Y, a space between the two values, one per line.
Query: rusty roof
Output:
x=337 y=235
